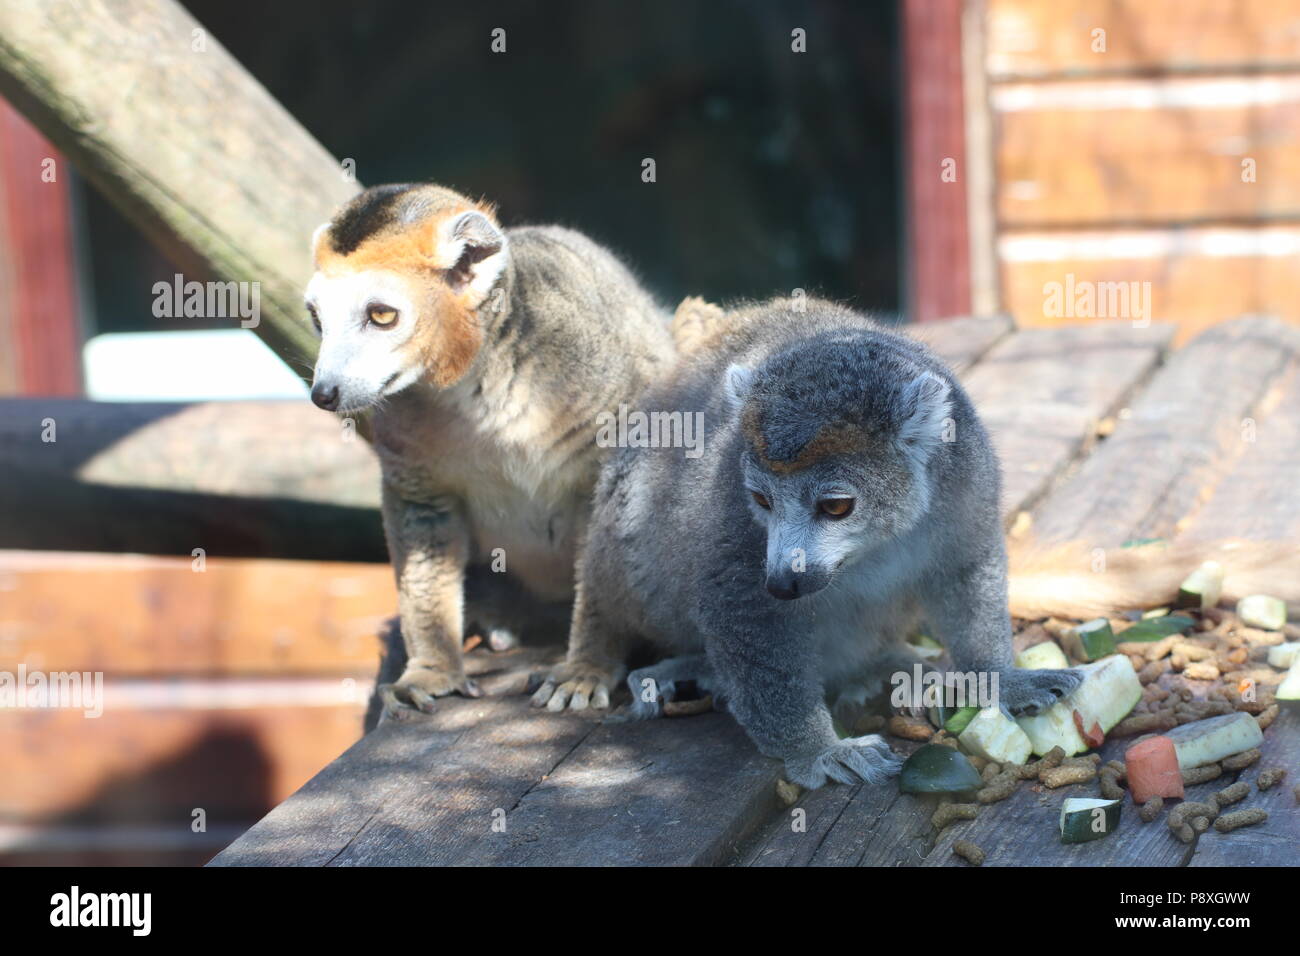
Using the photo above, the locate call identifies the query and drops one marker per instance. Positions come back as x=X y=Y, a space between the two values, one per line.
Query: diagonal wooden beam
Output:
x=182 y=139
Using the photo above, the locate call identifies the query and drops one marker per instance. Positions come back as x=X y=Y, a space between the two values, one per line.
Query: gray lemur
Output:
x=847 y=489
x=484 y=356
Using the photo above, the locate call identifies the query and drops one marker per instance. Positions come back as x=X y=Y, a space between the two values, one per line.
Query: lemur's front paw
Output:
x=419 y=687
x=576 y=686
x=1023 y=693
x=846 y=761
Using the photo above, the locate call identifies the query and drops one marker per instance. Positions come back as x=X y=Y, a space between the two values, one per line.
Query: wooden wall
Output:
x=1147 y=141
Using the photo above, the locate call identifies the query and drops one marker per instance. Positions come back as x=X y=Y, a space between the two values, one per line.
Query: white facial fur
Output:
x=365 y=362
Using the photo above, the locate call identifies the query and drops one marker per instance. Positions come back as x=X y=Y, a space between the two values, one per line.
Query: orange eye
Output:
x=761 y=501
x=836 y=507
x=381 y=315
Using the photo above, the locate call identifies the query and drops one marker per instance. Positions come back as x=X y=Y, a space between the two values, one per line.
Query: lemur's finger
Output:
x=393 y=705
x=535 y=680
x=560 y=698
x=423 y=702
x=471 y=688
x=582 y=694
x=543 y=694
x=600 y=698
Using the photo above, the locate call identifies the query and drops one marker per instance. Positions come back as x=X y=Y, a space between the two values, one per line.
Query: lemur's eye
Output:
x=315 y=319
x=382 y=316
x=761 y=501
x=835 y=507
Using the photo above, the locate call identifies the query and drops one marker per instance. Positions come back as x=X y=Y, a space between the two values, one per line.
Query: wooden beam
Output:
x=256 y=479
x=939 y=246
x=155 y=112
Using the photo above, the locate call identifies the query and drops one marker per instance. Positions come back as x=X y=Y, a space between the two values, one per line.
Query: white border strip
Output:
x=1198 y=93
x=1276 y=242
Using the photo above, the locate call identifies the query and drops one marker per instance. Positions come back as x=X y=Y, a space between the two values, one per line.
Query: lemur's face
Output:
x=832 y=467
x=822 y=518
x=400 y=306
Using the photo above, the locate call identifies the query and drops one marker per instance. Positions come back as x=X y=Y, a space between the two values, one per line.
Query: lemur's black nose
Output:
x=326 y=397
x=784 y=586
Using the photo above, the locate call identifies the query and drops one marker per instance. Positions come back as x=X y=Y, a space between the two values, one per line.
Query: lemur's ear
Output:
x=471 y=248
x=924 y=407
x=316 y=238
x=736 y=382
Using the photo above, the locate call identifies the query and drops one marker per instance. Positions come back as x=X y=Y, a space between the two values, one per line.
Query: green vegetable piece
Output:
x=1090 y=641
x=938 y=769
x=1156 y=628
x=1084 y=819
x=958 y=721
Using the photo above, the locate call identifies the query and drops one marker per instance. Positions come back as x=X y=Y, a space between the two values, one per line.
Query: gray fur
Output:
x=679 y=553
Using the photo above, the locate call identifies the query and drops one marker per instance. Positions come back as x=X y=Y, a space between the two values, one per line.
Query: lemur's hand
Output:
x=846 y=761
x=576 y=685
x=418 y=688
x=1025 y=693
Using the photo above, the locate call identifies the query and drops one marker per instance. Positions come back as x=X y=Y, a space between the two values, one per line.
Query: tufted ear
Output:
x=316 y=238
x=924 y=407
x=736 y=382
x=472 y=250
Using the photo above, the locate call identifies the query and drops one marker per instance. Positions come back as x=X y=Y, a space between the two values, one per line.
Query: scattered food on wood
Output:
x=1270 y=778
x=1209 y=741
x=1211 y=771
x=1151 y=809
x=788 y=793
x=1089 y=641
x=688 y=708
x=952 y=812
x=1061 y=776
x=995 y=736
x=1000 y=787
x=1084 y=819
x=1242 y=760
x=1262 y=611
x=1232 y=794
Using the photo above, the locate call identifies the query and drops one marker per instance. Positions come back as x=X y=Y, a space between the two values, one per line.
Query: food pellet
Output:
x=1060 y=776
x=1269 y=778
x=1151 y=809
x=1242 y=760
x=1230 y=795
x=1200 y=824
x=999 y=788
x=1211 y=771
x=990 y=771
x=1029 y=771
x=1265 y=720
x=1242 y=818
x=1189 y=810
x=1052 y=758
x=788 y=793
x=952 y=812
x=910 y=728
x=1110 y=788
x=969 y=852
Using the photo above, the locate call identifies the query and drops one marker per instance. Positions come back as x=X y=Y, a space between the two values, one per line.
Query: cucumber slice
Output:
x=1210 y=740
x=1046 y=656
x=1086 y=818
x=1284 y=655
x=960 y=720
x=1289 y=689
x=1156 y=628
x=1154 y=612
x=1203 y=587
x=938 y=769
x=1089 y=641
x=1110 y=689
x=992 y=735
x=1262 y=611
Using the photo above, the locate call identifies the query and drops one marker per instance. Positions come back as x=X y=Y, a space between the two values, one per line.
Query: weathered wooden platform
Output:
x=1204 y=442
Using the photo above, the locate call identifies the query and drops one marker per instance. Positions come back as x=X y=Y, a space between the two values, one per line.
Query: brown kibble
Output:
x=1242 y=818
x=1201 y=670
x=1270 y=778
x=1189 y=810
x=1211 y=771
x=949 y=742
x=1154 y=670
x=978 y=762
x=1110 y=788
x=1052 y=758
x=1184 y=832
x=952 y=812
x=999 y=788
x=1242 y=760
x=990 y=771
x=788 y=793
x=1061 y=776
x=688 y=708
x=1157 y=650
x=910 y=728
x=1265 y=720
x=1230 y=795
x=1151 y=809
x=1200 y=824
x=1119 y=767
x=969 y=852
x=1156 y=722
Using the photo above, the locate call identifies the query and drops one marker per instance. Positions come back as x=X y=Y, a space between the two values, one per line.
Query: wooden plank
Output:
x=1055 y=37
x=269 y=479
x=425 y=790
x=1176 y=442
x=183 y=140
x=158 y=763
x=1276 y=841
x=961 y=342
x=679 y=792
x=1197 y=277
x=1258 y=499
x=1039 y=414
x=134 y=616
x=1148 y=152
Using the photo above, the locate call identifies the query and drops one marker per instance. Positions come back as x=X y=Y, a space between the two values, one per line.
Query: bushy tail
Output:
x=1080 y=582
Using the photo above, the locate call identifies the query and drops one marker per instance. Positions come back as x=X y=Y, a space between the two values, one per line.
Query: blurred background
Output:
x=923 y=159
